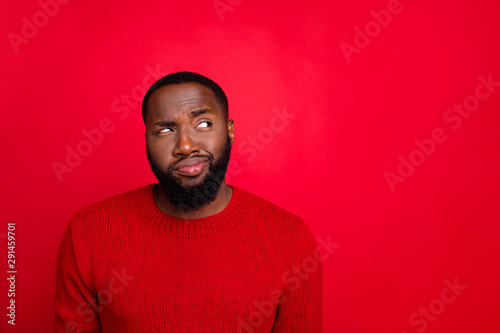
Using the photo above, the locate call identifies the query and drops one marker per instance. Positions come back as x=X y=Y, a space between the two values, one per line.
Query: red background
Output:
x=352 y=122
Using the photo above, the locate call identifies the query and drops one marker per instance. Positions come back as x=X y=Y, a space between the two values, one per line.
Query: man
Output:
x=190 y=253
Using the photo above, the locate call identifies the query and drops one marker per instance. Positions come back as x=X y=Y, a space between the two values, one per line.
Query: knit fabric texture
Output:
x=126 y=266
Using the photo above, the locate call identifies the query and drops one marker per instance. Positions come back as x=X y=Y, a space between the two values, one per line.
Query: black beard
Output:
x=189 y=198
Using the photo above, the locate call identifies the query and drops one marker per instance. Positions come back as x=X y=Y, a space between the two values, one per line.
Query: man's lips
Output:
x=191 y=166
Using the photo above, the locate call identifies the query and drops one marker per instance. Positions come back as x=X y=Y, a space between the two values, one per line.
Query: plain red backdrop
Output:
x=360 y=101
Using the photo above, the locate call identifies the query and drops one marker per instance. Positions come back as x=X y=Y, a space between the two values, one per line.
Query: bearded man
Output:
x=189 y=253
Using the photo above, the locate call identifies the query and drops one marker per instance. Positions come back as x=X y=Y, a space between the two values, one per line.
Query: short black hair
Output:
x=186 y=77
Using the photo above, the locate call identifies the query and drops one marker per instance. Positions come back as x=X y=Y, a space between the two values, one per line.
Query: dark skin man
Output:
x=186 y=132
x=190 y=253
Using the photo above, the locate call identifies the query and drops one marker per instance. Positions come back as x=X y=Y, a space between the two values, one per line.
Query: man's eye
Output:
x=205 y=124
x=165 y=130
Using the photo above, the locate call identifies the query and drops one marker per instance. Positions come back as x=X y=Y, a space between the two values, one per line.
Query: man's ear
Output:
x=230 y=130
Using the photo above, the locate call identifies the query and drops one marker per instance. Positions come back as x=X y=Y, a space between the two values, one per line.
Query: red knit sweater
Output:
x=125 y=266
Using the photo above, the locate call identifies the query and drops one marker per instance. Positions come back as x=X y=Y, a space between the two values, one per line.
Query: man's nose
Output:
x=185 y=145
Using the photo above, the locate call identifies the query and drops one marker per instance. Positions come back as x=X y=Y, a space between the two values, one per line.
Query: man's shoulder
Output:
x=272 y=221
x=268 y=209
x=114 y=205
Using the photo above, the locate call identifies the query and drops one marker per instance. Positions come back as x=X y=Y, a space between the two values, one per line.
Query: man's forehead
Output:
x=179 y=97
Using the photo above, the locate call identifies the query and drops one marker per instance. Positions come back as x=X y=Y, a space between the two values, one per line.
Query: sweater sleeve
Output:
x=76 y=308
x=301 y=307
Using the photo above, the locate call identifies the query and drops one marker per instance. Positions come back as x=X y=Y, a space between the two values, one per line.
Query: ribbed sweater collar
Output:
x=157 y=220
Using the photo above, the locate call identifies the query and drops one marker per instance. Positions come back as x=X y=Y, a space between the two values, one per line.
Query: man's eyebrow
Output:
x=164 y=123
x=192 y=114
x=196 y=113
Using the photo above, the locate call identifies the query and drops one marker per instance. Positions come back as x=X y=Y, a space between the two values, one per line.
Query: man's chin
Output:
x=188 y=184
x=189 y=197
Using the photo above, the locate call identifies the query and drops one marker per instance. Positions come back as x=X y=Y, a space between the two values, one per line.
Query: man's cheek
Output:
x=161 y=165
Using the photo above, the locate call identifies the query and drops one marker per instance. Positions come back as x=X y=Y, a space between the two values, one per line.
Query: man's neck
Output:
x=212 y=208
